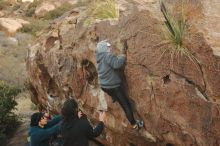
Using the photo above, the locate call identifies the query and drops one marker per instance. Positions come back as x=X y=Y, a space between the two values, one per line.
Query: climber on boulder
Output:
x=109 y=79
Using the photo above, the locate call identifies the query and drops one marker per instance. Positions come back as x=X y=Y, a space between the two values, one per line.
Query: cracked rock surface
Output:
x=175 y=96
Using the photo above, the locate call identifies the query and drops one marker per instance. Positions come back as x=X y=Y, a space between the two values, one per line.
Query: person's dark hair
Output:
x=70 y=109
x=35 y=118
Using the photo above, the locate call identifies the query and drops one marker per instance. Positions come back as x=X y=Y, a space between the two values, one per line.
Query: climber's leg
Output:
x=125 y=104
x=119 y=94
x=111 y=92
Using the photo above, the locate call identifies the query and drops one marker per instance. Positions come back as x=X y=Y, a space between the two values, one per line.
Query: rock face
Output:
x=11 y=25
x=1 y=14
x=176 y=95
x=15 y=1
x=48 y=6
x=27 y=0
x=211 y=25
x=12 y=1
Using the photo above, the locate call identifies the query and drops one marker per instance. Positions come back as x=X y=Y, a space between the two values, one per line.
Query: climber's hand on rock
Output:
x=102 y=116
x=80 y=114
x=122 y=46
x=125 y=45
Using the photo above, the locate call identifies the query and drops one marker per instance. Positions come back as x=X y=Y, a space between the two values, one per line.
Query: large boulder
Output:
x=211 y=24
x=12 y=2
x=51 y=5
x=42 y=9
x=11 y=25
x=27 y=0
x=176 y=95
x=8 y=41
x=2 y=13
x=48 y=6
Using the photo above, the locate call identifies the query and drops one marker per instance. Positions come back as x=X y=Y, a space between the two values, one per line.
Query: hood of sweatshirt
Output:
x=103 y=46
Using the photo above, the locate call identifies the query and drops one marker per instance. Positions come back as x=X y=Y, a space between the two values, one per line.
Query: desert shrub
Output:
x=105 y=10
x=102 y=10
x=34 y=107
x=16 y=7
x=8 y=120
x=82 y=3
x=3 y=4
x=58 y=11
x=30 y=12
x=35 y=26
x=32 y=7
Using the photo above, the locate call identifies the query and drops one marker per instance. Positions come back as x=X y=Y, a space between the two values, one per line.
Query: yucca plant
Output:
x=175 y=32
x=175 y=29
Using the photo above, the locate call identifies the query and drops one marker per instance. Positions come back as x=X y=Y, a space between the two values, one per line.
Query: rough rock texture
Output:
x=27 y=0
x=48 y=6
x=1 y=14
x=211 y=25
x=44 y=8
x=11 y=25
x=175 y=96
x=12 y=1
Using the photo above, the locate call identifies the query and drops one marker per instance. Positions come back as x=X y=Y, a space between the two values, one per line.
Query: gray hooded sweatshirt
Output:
x=107 y=65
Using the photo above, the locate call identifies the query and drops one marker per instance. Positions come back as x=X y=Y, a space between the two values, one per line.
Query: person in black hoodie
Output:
x=76 y=129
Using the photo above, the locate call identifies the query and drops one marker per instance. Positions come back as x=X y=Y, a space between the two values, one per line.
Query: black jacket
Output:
x=77 y=132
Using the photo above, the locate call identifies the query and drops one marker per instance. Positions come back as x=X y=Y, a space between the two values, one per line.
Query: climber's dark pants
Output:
x=119 y=95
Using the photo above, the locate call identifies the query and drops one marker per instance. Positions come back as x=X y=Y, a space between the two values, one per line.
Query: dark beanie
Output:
x=69 y=109
x=35 y=118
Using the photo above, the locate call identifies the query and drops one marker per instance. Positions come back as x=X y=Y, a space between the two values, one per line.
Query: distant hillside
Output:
x=21 y=22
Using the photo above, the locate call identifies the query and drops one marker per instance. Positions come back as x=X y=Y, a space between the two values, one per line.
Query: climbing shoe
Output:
x=138 y=125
